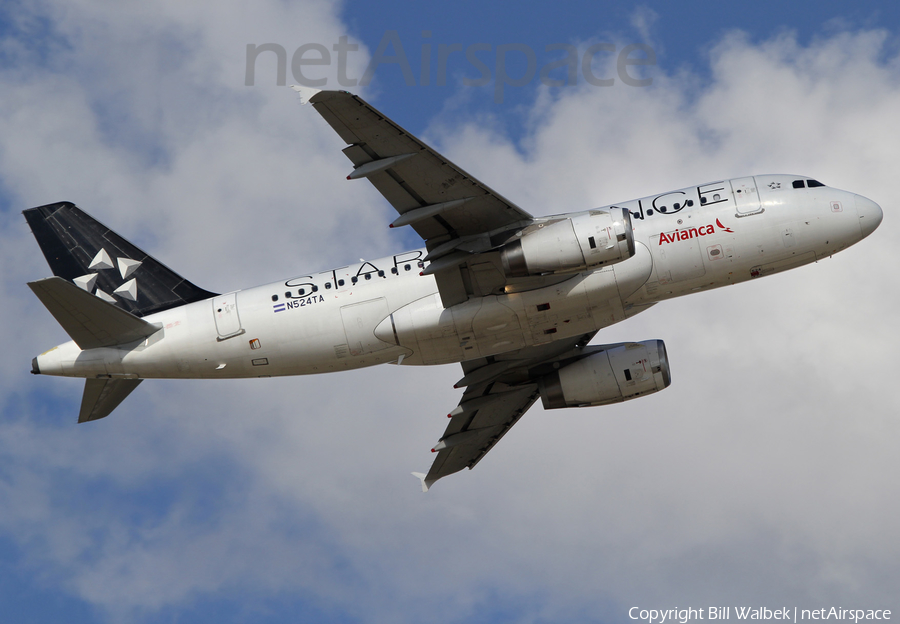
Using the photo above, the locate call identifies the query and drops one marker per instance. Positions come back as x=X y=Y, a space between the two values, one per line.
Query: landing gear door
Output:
x=746 y=197
x=228 y=323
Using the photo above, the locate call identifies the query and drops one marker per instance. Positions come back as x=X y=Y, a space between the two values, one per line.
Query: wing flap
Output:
x=451 y=287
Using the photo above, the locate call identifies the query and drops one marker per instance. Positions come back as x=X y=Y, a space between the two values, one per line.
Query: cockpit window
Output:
x=799 y=184
x=813 y=183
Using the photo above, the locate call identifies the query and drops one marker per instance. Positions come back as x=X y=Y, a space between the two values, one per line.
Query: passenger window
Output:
x=353 y=280
x=327 y=285
x=301 y=292
x=799 y=184
x=274 y=297
x=406 y=267
x=368 y=276
x=340 y=282
x=380 y=273
x=287 y=295
x=813 y=183
x=394 y=270
x=315 y=288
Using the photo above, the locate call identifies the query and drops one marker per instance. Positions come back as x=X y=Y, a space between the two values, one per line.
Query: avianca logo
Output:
x=703 y=230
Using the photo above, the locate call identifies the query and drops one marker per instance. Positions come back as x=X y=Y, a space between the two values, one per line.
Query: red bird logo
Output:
x=719 y=223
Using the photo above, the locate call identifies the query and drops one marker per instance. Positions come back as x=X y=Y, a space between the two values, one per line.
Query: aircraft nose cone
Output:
x=870 y=215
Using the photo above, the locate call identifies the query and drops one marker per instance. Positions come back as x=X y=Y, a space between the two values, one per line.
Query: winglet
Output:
x=421 y=477
x=305 y=93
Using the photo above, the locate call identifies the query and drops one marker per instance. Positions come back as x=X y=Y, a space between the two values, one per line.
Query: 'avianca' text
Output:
x=703 y=230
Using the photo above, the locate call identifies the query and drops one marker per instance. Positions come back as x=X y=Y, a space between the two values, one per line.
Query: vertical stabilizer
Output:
x=84 y=251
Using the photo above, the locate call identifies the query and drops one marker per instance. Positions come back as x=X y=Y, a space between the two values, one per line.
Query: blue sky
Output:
x=682 y=36
x=763 y=476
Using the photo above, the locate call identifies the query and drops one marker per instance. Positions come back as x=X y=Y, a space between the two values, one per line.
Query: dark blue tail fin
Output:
x=81 y=249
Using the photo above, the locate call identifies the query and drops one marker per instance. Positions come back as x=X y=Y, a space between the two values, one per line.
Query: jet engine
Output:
x=611 y=374
x=572 y=244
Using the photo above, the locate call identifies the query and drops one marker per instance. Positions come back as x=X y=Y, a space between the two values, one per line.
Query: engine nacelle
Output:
x=613 y=374
x=586 y=240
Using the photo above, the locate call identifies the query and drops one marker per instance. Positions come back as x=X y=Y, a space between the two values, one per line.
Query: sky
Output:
x=764 y=476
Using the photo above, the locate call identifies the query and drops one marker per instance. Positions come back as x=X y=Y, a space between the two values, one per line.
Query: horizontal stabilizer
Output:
x=102 y=396
x=89 y=320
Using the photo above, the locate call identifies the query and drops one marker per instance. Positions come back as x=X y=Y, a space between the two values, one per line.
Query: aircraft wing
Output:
x=499 y=391
x=458 y=217
x=437 y=198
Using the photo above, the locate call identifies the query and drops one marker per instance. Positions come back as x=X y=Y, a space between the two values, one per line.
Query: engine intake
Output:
x=612 y=374
x=572 y=244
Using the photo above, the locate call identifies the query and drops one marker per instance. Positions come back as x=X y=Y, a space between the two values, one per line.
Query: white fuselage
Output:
x=688 y=240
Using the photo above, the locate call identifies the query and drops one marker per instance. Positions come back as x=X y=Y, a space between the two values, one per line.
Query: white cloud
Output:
x=765 y=473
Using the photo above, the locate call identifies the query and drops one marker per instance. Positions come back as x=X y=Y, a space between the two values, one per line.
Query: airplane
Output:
x=515 y=299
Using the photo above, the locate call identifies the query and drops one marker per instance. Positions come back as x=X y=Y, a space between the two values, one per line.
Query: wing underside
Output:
x=437 y=198
x=461 y=219
x=498 y=392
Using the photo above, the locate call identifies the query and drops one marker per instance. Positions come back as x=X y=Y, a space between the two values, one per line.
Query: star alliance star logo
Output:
x=102 y=261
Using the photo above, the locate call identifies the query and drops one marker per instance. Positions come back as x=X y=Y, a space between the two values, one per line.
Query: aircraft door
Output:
x=360 y=321
x=746 y=196
x=228 y=323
